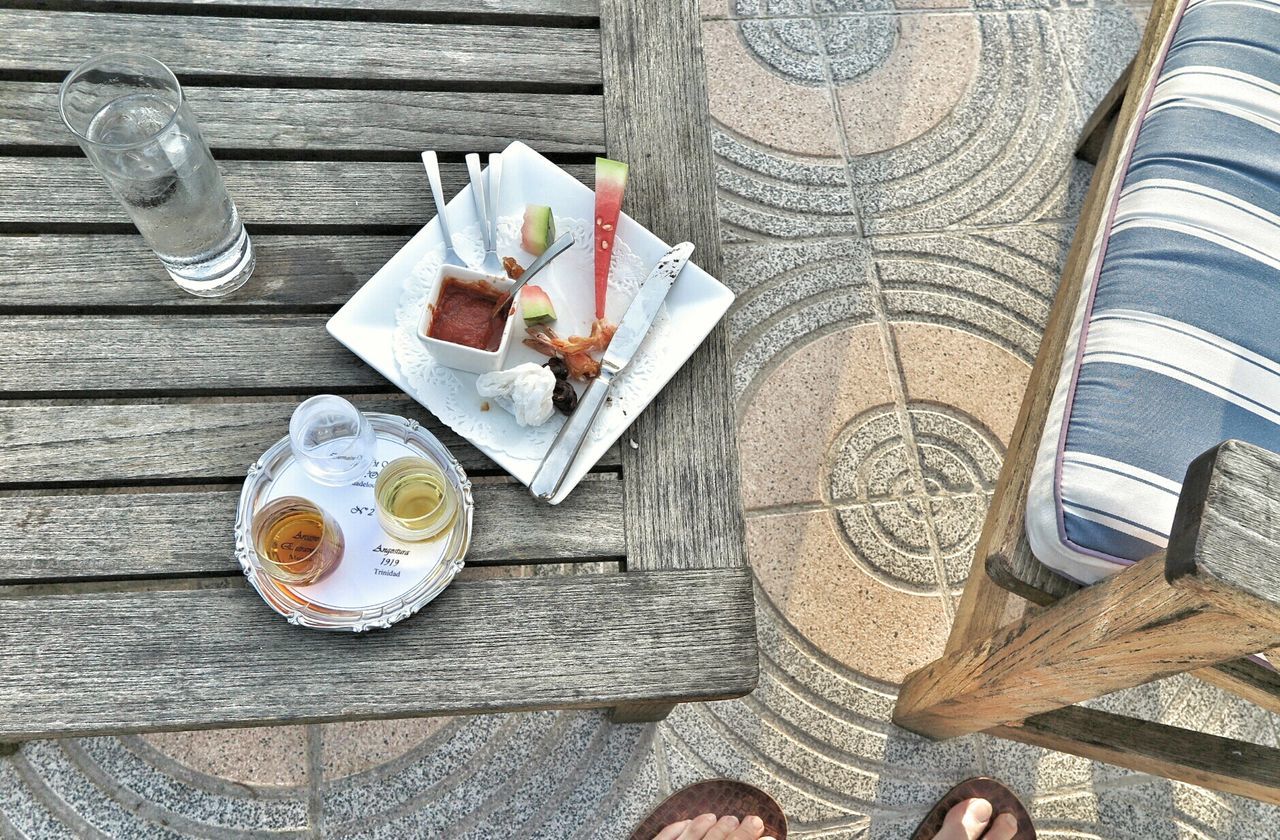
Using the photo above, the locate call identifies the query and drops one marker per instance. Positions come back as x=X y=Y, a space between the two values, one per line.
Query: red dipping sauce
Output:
x=462 y=315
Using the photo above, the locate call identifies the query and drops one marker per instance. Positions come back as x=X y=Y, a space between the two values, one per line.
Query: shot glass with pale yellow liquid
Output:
x=415 y=501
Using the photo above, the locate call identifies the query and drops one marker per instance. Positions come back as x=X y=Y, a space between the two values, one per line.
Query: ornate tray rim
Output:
x=298 y=612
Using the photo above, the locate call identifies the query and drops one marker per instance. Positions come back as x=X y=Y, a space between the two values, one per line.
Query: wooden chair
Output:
x=1210 y=599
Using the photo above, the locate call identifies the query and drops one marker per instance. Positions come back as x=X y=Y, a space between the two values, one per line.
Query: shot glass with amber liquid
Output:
x=296 y=541
x=415 y=500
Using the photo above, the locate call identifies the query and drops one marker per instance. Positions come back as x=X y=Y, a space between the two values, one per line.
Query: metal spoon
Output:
x=554 y=250
x=437 y=195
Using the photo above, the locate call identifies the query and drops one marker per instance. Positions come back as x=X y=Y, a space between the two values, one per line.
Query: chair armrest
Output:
x=1225 y=540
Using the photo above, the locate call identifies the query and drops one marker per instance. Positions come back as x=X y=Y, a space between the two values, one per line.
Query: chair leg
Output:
x=1097 y=129
x=1130 y=629
x=640 y=712
x=981 y=610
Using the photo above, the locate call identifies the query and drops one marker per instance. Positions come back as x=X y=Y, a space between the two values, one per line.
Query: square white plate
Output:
x=373 y=324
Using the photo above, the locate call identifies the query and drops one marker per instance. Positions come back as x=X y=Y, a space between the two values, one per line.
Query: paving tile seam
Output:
x=496 y=799
x=215 y=785
x=881 y=253
x=646 y=749
x=788 y=633
x=897 y=381
x=782 y=680
x=951 y=495
x=725 y=192
x=748 y=337
x=754 y=239
x=748 y=295
x=744 y=170
x=911 y=315
x=315 y=778
x=962 y=295
x=767 y=369
x=55 y=804
x=465 y=765
x=754 y=55
x=912 y=12
x=770 y=155
x=1071 y=70
x=388 y=769
x=443 y=789
x=1047 y=223
x=815 y=746
x=116 y=793
x=764 y=765
x=880 y=576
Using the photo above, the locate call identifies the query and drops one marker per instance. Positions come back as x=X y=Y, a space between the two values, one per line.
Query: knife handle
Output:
x=559 y=458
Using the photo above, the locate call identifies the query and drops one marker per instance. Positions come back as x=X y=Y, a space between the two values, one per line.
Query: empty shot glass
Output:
x=128 y=113
x=332 y=440
x=296 y=541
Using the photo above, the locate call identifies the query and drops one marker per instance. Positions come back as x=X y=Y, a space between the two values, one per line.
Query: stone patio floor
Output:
x=897 y=192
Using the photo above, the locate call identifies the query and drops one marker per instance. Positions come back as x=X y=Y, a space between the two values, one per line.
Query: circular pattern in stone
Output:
x=794 y=48
x=880 y=504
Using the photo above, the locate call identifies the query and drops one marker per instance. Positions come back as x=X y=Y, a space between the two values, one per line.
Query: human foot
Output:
x=709 y=827
x=972 y=820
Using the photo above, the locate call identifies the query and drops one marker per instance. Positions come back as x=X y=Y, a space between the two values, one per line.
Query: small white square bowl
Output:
x=457 y=355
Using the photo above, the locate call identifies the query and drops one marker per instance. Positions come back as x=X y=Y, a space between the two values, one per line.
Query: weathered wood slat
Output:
x=553 y=8
x=188 y=531
x=171 y=440
x=69 y=270
x=1003 y=544
x=1222 y=764
x=684 y=507
x=48 y=354
x=60 y=190
x=303 y=118
x=1130 y=629
x=1247 y=678
x=114 y=662
x=264 y=47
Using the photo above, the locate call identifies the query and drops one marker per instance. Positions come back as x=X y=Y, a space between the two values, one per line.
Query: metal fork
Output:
x=451 y=256
x=487 y=208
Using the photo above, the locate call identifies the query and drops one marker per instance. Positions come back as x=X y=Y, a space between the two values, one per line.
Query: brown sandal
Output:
x=719 y=797
x=1003 y=801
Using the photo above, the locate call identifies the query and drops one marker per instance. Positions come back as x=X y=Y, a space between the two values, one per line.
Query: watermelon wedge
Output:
x=611 y=181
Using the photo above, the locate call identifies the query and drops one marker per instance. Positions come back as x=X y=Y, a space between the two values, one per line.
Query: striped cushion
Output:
x=1176 y=342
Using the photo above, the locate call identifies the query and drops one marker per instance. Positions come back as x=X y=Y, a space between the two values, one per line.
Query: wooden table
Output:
x=129 y=410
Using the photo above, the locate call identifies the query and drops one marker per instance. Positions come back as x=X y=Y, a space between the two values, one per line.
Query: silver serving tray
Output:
x=380 y=580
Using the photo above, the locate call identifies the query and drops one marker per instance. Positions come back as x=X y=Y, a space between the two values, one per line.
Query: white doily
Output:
x=451 y=394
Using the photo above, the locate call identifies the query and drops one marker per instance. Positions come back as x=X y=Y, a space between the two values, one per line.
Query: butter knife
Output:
x=631 y=332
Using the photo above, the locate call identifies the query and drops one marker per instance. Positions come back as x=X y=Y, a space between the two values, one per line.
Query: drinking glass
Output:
x=128 y=113
x=296 y=541
x=414 y=499
x=332 y=440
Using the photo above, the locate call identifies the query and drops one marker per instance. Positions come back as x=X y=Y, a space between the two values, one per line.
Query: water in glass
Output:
x=134 y=125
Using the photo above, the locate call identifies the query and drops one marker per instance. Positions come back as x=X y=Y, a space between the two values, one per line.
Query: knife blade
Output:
x=626 y=340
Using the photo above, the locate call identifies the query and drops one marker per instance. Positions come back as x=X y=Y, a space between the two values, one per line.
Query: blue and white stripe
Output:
x=1176 y=342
